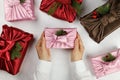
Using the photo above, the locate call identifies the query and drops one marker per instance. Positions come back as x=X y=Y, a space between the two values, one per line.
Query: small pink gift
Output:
x=60 y=37
x=106 y=64
x=16 y=10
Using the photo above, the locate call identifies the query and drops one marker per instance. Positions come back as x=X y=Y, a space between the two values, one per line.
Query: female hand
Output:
x=43 y=52
x=78 y=50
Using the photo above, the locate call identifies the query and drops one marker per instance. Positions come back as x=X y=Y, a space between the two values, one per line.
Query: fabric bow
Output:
x=99 y=28
x=65 y=41
x=14 y=10
x=5 y=61
x=60 y=40
x=8 y=39
x=103 y=68
x=61 y=9
x=109 y=18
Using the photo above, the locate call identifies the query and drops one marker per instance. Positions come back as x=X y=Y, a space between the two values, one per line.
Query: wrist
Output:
x=45 y=59
x=76 y=59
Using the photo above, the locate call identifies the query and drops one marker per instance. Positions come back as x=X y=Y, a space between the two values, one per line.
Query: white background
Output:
x=61 y=58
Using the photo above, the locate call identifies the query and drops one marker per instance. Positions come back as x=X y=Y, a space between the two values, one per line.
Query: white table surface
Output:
x=61 y=58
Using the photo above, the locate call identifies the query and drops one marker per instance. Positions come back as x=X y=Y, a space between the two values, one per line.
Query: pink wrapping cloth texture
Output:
x=102 y=68
x=65 y=41
x=17 y=11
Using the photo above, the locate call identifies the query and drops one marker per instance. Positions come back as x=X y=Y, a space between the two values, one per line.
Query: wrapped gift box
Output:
x=16 y=10
x=62 y=9
x=60 y=37
x=106 y=64
x=13 y=47
x=103 y=20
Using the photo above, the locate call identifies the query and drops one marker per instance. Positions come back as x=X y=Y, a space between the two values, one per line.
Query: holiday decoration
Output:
x=61 y=33
x=18 y=10
x=60 y=37
x=13 y=46
x=22 y=1
x=15 y=52
x=62 y=9
x=103 y=20
x=101 y=11
x=106 y=64
x=108 y=58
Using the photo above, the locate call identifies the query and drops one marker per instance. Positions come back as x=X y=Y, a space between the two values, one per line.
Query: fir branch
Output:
x=22 y=1
x=15 y=52
x=103 y=9
x=53 y=8
x=61 y=33
x=76 y=6
x=108 y=58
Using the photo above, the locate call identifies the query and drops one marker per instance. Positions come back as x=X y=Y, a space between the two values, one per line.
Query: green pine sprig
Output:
x=15 y=52
x=76 y=6
x=108 y=58
x=103 y=9
x=53 y=8
x=22 y=1
x=61 y=32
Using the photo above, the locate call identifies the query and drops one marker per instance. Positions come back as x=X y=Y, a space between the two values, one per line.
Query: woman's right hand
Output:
x=78 y=50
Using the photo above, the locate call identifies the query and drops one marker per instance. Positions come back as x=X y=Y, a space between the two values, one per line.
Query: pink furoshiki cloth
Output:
x=64 y=41
x=102 y=68
x=17 y=11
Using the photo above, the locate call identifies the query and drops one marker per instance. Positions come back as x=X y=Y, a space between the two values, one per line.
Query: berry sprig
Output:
x=102 y=10
x=76 y=4
x=108 y=58
x=94 y=15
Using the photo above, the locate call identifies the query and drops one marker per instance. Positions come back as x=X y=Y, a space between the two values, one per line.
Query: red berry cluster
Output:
x=94 y=15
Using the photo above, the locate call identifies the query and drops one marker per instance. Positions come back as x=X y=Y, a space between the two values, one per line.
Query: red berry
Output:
x=94 y=16
x=95 y=12
x=107 y=56
x=81 y=1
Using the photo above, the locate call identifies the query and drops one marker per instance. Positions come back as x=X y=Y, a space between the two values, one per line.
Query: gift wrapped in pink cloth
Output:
x=60 y=37
x=106 y=64
x=18 y=10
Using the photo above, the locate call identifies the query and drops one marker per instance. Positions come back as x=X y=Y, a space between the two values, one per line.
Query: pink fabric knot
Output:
x=60 y=38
